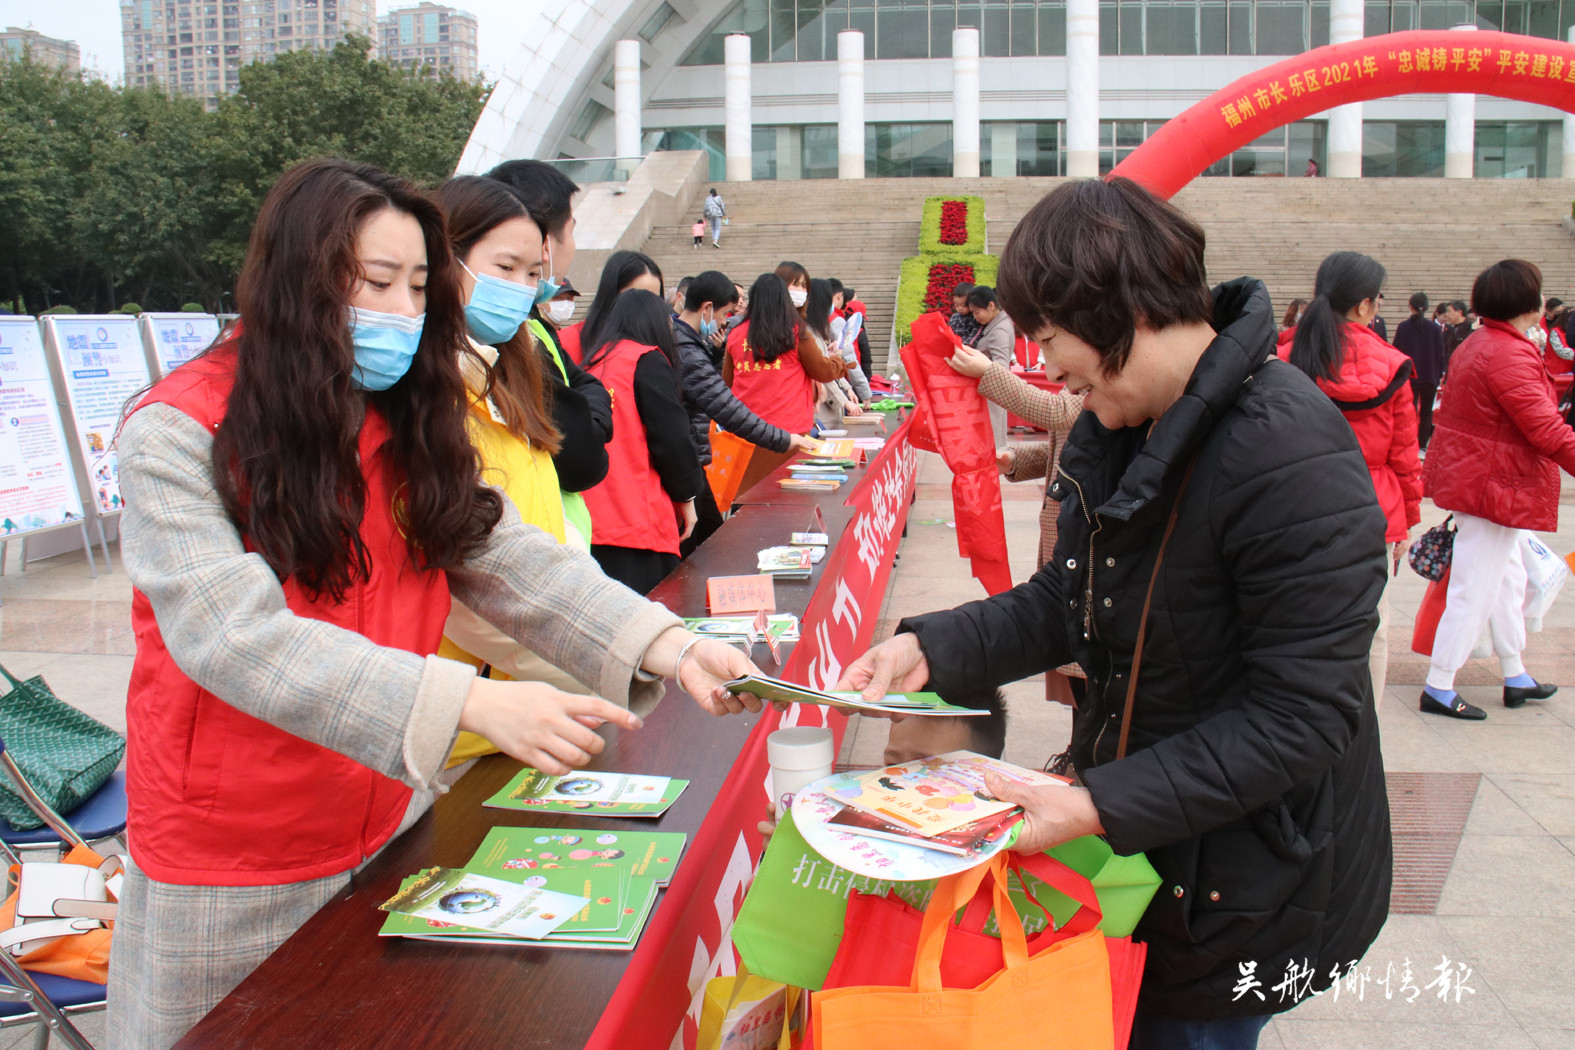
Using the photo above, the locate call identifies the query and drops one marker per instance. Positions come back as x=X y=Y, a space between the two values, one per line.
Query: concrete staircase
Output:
x=1433 y=235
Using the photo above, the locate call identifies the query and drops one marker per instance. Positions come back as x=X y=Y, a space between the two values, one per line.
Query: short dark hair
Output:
x=1553 y=304
x=1507 y=289
x=1439 y=309
x=962 y=290
x=638 y=316
x=714 y=287
x=1418 y=301
x=836 y=285
x=1099 y=258
x=988 y=732
x=1461 y=307
x=848 y=294
x=683 y=287
x=982 y=295
x=546 y=192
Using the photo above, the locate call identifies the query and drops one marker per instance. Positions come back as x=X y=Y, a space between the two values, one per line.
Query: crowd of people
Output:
x=436 y=553
x=404 y=513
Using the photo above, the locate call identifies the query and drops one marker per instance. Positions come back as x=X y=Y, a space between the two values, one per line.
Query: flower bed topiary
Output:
x=926 y=283
x=952 y=225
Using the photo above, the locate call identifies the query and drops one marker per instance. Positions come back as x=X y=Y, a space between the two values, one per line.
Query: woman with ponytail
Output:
x=1369 y=381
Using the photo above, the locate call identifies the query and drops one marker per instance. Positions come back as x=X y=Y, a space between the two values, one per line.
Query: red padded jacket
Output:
x=1498 y=442
x=1373 y=392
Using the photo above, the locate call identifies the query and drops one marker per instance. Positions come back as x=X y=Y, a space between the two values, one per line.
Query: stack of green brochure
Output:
x=616 y=874
x=590 y=792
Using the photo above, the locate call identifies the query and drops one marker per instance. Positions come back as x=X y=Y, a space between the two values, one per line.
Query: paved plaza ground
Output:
x=1484 y=813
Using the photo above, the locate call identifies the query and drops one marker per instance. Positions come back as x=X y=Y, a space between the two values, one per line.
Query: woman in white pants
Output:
x=1498 y=444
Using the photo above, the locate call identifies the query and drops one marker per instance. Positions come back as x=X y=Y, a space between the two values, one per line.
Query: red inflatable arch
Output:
x=1524 y=68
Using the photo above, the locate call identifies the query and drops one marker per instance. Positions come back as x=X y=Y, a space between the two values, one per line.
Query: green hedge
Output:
x=930 y=227
x=914 y=279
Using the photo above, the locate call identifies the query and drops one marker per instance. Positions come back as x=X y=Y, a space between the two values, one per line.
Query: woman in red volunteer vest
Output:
x=773 y=362
x=645 y=508
x=302 y=500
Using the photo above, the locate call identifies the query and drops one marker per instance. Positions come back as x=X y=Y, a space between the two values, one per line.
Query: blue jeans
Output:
x=1156 y=1032
x=716 y=229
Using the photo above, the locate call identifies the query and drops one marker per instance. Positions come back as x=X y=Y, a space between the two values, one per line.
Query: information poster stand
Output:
x=38 y=480
x=171 y=340
x=98 y=362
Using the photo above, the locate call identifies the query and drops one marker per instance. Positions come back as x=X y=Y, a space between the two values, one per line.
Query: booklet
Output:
x=816 y=484
x=480 y=902
x=932 y=796
x=962 y=841
x=509 y=852
x=809 y=539
x=595 y=792
x=777 y=690
x=781 y=626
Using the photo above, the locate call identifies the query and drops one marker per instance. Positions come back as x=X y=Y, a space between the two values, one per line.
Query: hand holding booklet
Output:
x=778 y=691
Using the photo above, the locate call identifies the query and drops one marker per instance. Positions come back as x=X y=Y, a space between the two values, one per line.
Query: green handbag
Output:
x=790 y=924
x=64 y=754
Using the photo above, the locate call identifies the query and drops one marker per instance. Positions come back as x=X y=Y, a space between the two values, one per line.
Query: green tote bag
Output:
x=64 y=754
x=790 y=924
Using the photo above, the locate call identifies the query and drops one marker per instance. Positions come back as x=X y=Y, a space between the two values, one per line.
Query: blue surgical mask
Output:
x=708 y=328
x=385 y=344
x=546 y=290
x=497 y=307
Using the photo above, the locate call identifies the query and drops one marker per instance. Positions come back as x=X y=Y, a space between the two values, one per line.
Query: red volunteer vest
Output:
x=569 y=339
x=1555 y=364
x=629 y=508
x=780 y=392
x=220 y=798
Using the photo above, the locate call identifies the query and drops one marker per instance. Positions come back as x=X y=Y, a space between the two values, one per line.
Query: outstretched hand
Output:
x=543 y=727
x=896 y=665
x=707 y=668
x=1052 y=813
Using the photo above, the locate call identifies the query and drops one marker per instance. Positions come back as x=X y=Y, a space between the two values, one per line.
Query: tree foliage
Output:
x=109 y=194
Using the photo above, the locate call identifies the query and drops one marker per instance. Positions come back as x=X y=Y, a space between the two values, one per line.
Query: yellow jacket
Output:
x=525 y=474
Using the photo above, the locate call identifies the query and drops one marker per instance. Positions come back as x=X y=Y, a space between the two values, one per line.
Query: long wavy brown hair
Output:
x=516 y=384
x=286 y=458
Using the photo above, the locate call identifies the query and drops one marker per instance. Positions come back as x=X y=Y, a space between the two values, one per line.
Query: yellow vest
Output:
x=526 y=475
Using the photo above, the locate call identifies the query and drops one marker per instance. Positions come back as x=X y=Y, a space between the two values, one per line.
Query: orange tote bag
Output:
x=730 y=455
x=1056 y=1000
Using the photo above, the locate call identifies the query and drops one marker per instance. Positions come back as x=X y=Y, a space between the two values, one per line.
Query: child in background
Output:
x=698 y=230
x=914 y=738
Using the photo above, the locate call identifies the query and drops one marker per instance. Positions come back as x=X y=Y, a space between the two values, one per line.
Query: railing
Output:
x=585 y=170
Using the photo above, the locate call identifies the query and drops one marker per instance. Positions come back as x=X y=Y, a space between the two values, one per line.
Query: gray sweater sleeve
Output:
x=222 y=614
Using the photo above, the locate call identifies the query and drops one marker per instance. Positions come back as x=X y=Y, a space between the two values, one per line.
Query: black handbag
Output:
x=1431 y=554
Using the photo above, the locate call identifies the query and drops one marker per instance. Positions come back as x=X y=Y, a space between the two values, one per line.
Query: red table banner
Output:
x=685 y=945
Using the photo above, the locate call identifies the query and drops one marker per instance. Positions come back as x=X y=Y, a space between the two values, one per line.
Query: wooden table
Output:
x=336 y=984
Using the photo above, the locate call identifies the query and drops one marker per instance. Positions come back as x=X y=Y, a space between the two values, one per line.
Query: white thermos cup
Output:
x=799 y=756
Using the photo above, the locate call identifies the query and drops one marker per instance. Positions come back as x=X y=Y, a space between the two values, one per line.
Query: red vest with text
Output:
x=630 y=508
x=569 y=339
x=780 y=391
x=220 y=798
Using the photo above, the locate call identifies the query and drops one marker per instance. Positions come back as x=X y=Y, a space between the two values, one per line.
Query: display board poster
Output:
x=101 y=364
x=38 y=489
x=174 y=339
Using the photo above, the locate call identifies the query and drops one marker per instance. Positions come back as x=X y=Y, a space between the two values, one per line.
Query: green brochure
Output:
x=776 y=690
x=591 y=792
x=508 y=851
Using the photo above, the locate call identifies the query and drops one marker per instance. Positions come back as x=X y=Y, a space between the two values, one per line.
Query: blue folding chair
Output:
x=101 y=816
x=44 y=1000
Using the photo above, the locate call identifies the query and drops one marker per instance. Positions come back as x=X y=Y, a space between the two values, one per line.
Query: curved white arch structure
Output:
x=555 y=98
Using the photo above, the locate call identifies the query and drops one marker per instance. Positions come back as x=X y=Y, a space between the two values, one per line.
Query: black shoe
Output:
x=1516 y=696
x=1461 y=709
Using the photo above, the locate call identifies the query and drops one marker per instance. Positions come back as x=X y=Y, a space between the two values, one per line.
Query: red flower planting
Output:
x=943 y=278
x=954 y=222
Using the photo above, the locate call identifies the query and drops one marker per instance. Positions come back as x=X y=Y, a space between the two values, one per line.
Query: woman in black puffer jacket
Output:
x=1252 y=776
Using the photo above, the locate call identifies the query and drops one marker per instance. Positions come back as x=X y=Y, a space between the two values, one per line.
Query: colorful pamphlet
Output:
x=785 y=563
x=775 y=689
x=839 y=448
x=478 y=902
x=508 y=852
x=591 y=792
x=970 y=838
x=812 y=484
x=782 y=626
x=809 y=539
x=932 y=796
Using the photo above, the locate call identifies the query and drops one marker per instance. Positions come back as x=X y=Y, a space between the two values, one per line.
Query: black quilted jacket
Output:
x=707 y=397
x=1253 y=779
